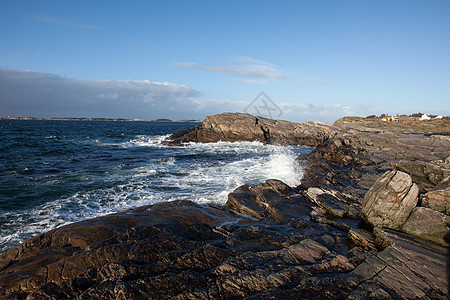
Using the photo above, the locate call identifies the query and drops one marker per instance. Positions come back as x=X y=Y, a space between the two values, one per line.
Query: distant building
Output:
x=424 y=117
x=439 y=117
x=390 y=119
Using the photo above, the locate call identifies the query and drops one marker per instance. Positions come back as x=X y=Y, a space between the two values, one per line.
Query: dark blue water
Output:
x=58 y=172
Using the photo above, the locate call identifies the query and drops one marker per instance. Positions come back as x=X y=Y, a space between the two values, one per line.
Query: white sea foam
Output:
x=219 y=178
x=146 y=141
x=203 y=173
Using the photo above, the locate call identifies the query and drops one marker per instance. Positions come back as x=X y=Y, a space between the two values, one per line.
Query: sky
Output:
x=292 y=60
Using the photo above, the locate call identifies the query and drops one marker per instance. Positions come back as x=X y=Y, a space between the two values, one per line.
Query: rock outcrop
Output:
x=184 y=250
x=245 y=127
x=275 y=245
x=269 y=240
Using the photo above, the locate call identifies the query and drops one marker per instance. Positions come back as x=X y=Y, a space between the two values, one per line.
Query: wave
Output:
x=203 y=173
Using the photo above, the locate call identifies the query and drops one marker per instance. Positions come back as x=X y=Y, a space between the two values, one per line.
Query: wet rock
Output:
x=52 y=291
x=333 y=202
x=144 y=235
x=428 y=224
x=185 y=250
x=362 y=238
x=390 y=200
x=272 y=199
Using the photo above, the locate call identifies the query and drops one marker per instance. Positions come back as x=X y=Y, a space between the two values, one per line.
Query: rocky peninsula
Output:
x=370 y=220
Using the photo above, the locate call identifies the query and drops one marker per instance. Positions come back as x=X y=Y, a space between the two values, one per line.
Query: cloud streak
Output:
x=253 y=71
x=251 y=60
x=62 y=22
x=260 y=71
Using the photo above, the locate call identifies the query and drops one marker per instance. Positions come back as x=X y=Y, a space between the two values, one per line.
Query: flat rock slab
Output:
x=407 y=269
x=428 y=224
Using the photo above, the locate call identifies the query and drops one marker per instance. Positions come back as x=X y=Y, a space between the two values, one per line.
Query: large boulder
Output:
x=389 y=202
x=428 y=224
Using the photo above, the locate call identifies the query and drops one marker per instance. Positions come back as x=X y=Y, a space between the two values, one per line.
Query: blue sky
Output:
x=316 y=60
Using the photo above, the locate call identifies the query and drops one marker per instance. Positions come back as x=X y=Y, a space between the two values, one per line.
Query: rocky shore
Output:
x=370 y=220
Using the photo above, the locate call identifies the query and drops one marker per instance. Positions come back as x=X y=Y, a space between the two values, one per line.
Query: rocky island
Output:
x=370 y=220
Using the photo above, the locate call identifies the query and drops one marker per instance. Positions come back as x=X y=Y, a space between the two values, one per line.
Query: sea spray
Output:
x=90 y=171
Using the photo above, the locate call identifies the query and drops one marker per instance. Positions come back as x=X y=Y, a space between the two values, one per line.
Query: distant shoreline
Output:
x=96 y=119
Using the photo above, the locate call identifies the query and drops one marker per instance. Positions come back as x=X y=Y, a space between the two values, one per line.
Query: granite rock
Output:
x=245 y=127
x=389 y=202
x=428 y=224
x=439 y=197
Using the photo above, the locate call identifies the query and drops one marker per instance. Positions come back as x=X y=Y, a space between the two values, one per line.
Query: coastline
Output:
x=269 y=240
x=96 y=119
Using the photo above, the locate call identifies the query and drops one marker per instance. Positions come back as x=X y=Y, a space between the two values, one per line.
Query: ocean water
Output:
x=57 y=172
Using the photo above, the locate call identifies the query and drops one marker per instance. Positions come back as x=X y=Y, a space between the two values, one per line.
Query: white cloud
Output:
x=253 y=71
x=27 y=93
x=108 y=95
x=301 y=112
x=262 y=71
x=45 y=95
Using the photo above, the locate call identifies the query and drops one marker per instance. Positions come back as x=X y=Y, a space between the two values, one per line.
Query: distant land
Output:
x=96 y=119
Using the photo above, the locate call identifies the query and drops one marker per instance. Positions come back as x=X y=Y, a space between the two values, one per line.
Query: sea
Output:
x=56 y=172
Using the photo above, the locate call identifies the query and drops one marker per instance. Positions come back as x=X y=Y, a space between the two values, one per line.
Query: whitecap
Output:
x=203 y=173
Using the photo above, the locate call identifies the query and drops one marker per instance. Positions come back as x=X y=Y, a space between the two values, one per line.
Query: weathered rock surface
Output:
x=389 y=202
x=363 y=149
x=245 y=127
x=362 y=238
x=183 y=250
x=406 y=269
x=272 y=200
x=439 y=198
x=270 y=240
x=425 y=175
x=334 y=202
x=428 y=224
